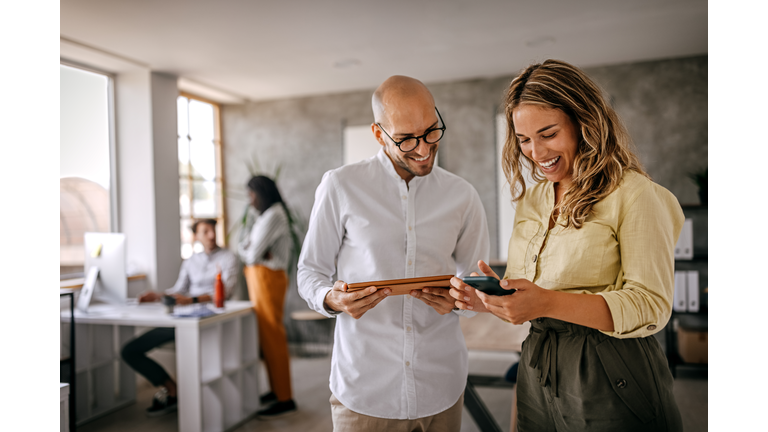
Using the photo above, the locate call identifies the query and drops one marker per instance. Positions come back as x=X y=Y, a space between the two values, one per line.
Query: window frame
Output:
x=114 y=220
x=218 y=144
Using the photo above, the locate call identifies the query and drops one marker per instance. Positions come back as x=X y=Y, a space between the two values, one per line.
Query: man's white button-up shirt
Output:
x=401 y=360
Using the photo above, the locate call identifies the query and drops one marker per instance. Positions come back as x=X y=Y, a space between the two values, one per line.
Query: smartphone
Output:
x=487 y=284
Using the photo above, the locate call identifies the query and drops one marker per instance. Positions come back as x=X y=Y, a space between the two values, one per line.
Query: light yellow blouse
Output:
x=623 y=252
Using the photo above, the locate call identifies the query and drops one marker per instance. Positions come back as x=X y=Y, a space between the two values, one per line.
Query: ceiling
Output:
x=237 y=50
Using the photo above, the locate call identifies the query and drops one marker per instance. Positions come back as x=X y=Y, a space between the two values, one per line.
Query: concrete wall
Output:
x=664 y=106
x=663 y=103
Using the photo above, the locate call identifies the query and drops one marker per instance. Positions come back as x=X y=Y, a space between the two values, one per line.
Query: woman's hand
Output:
x=530 y=301
x=465 y=295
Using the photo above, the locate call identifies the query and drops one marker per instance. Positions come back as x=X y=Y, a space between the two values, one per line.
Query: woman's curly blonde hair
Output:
x=604 y=150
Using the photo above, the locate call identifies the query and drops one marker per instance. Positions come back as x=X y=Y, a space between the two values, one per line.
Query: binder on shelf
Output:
x=680 y=301
x=693 y=290
x=684 y=246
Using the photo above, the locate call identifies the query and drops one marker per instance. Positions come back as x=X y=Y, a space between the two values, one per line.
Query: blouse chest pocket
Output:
x=524 y=237
x=575 y=256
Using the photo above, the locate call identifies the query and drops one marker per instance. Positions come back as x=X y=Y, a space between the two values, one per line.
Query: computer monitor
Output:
x=107 y=252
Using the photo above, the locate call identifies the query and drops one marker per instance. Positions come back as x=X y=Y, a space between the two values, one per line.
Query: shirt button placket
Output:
x=410 y=252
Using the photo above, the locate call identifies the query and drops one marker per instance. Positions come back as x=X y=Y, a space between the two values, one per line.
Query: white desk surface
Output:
x=151 y=315
x=77 y=283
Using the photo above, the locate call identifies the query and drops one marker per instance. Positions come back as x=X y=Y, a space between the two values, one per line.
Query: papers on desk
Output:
x=195 y=311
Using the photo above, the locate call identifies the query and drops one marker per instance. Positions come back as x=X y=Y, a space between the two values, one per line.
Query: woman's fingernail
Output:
x=469 y=307
x=504 y=283
x=467 y=298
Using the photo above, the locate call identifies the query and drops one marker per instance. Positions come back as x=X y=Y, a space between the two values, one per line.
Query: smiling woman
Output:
x=591 y=258
x=561 y=100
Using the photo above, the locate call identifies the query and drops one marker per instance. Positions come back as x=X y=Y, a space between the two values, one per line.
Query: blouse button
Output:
x=535 y=257
x=651 y=327
x=621 y=383
x=407 y=363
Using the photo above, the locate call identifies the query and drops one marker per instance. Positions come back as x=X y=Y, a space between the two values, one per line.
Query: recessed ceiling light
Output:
x=540 y=41
x=346 y=63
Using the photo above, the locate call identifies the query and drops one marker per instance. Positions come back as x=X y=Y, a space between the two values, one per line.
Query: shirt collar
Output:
x=387 y=163
x=213 y=252
x=389 y=167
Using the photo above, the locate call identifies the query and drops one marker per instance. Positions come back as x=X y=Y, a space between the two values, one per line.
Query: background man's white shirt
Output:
x=198 y=273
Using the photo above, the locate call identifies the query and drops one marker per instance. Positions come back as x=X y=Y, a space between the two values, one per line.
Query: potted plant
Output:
x=700 y=178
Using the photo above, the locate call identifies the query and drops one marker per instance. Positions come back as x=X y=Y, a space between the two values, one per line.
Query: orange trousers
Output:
x=266 y=289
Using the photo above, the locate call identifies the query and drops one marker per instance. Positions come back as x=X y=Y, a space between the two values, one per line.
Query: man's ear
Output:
x=377 y=134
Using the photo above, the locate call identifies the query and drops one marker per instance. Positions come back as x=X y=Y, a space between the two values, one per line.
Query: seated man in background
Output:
x=195 y=285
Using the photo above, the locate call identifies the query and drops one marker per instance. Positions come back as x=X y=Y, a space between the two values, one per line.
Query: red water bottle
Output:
x=218 y=293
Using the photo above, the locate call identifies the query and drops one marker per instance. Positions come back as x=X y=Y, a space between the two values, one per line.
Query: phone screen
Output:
x=488 y=285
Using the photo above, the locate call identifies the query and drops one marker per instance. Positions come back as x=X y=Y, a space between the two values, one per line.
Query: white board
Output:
x=359 y=144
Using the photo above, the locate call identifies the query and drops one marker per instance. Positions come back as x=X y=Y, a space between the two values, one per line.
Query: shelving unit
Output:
x=105 y=382
x=229 y=372
x=700 y=263
x=217 y=364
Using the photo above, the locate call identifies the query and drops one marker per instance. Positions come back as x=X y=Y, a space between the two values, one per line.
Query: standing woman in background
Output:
x=592 y=259
x=266 y=253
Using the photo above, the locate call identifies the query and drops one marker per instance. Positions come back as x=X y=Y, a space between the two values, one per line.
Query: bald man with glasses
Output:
x=399 y=362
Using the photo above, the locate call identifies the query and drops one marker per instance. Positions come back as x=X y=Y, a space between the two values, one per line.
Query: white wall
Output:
x=166 y=177
x=148 y=178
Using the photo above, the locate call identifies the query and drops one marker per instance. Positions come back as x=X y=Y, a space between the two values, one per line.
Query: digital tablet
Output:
x=404 y=286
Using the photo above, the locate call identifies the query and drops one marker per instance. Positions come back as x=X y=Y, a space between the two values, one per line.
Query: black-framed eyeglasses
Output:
x=432 y=136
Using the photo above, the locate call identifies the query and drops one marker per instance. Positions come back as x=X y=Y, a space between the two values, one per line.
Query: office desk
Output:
x=217 y=362
x=136 y=284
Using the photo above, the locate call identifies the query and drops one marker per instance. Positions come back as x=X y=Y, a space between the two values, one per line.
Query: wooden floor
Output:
x=311 y=393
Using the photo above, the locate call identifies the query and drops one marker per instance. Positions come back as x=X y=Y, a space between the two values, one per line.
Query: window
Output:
x=86 y=160
x=200 y=182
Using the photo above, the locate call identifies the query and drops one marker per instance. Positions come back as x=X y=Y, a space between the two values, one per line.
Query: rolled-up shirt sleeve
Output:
x=229 y=271
x=268 y=227
x=183 y=282
x=641 y=301
x=317 y=263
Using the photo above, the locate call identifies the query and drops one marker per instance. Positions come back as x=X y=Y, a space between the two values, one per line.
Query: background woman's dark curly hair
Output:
x=266 y=192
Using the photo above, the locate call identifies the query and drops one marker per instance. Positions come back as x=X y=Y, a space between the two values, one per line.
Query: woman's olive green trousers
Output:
x=573 y=378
